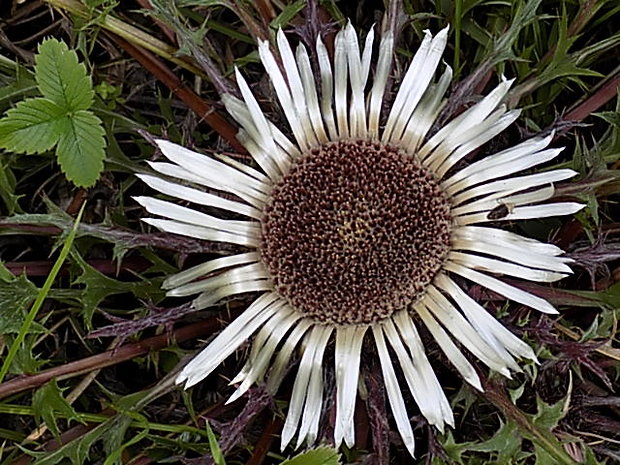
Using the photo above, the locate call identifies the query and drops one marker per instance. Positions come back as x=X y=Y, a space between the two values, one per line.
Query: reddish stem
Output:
x=605 y=93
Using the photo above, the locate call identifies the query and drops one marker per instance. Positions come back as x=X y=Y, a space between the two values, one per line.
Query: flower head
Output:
x=357 y=229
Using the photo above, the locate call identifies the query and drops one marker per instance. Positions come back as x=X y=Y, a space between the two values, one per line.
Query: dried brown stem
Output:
x=604 y=94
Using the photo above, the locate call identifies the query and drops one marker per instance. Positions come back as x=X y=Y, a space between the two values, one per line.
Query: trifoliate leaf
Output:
x=318 y=456
x=33 y=126
x=61 y=77
x=81 y=147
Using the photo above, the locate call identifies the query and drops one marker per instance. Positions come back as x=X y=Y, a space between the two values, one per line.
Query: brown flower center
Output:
x=355 y=231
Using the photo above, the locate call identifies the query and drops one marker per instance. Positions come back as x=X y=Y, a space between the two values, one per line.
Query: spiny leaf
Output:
x=47 y=402
x=16 y=293
x=318 y=456
x=81 y=147
x=33 y=126
x=61 y=77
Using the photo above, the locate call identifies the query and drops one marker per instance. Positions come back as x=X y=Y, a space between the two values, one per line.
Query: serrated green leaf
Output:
x=61 y=77
x=318 y=456
x=33 y=126
x=47 y=402
x=506 y=443
x=16 y=294
x=81 y=147
x=549 y=415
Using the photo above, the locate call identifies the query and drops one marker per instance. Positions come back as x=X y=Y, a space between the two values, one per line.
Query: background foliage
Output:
x=89 y=347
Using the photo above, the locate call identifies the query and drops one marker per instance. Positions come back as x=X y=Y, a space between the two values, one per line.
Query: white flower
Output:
x=356 y=230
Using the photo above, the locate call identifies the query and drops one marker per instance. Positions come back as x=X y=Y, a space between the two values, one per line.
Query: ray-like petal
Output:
x=395 y=398
x=358 y=81
x=249 y=229
x=382 y=73
x=260 y=130
x=207 y=299
x=509 y=199
x=315 y=342
x=414 y=378
x=294 y=81
x=228 y=340
x=243 y=167
x=327 y=88
x=253 y=271
x=258 y=361
x=199 y=197
x=523 y=213
x=462 y=331
x=433 y=403
x=175 y=171
x=508 y=291
x=260 y=155
x=307 y=79
x=341 y=72
x=348 y=351
x=198 y=232
x=448 y=347
x=284 y=94
x=491 y=329
x=507 y=239
x=484 y=132
x=281 y=157
x=505 y=186
x=367 y=55
x=204 y=269
x=500 y=165
x=282 y=360
x=425 y=113
x=449 y=135
x=313 y=407
x=216 y=174
x=414 y=85
x=524 y=256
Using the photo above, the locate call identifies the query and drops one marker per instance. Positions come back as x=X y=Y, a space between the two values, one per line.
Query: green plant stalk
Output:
x=41 y=296
x=130 y=33
x=11 y=409
x=458 y=13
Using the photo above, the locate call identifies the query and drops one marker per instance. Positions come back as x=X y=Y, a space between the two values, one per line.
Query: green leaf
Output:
x=77 y=450
x=61 y=77
x=47 y=402
x=8 y=183
x=318 y=456
x=16 y=294
x=216 y=452
x=33 y=126
x=81 y=147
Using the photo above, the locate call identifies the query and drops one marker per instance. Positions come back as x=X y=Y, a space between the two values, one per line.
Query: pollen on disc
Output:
x=354 y=232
